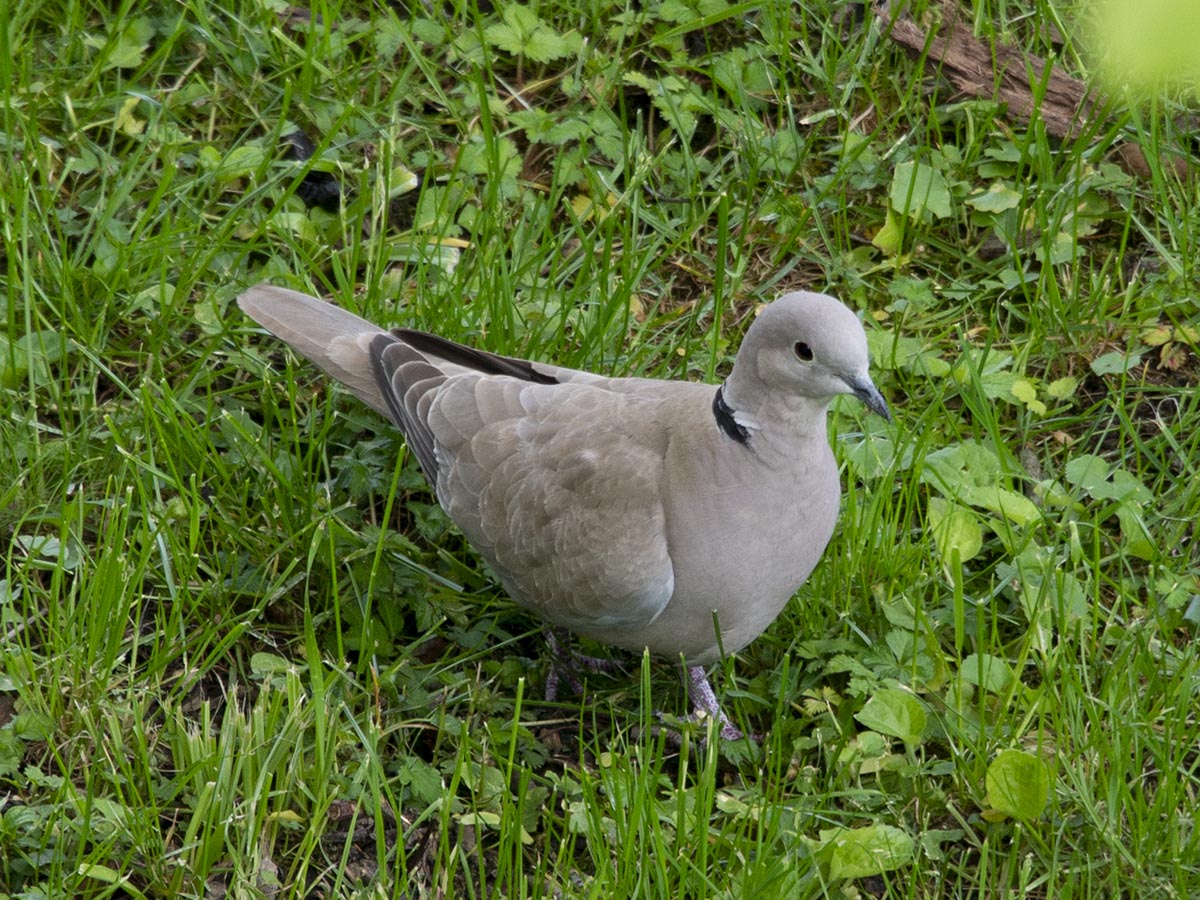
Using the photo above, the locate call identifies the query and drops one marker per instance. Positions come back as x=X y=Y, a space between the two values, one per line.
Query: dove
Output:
x=671 y=516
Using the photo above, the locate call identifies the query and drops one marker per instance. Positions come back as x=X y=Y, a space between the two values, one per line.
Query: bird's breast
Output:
x=743 y=537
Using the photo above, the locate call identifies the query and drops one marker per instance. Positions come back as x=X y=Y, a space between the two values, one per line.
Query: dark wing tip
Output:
x=477 y=360
x=388 y=355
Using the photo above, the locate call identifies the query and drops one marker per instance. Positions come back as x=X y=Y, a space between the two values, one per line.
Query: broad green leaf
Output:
x=887 y=238
x=1062 y=388
x=37 y=350
x=65 y=555
x=127 y=121
x=970 y=473
x=998 y=385
x=933 y=838
x=895 y=713
x=1115 y=362
x=986 y=671
x=955 y=530
x=743 y=74
x=683 y=13
x=1156 y=335
x=422 y=779
x=1063 y=249
x=983 y=362
x=1087 y=471
x=1121 y=486
x=1018 y=785
x=1103 y=482
x=401 y=180
x=12 y=752
x=918 y=188
x=482 y=818
x=539 y=125
x=296 y=224
x=679 y=102
x=31 y=725
x=500 y=158
x=911 y=293
x=544 y=45
x=1174 y=589
x=1051 y=596
x=84 y=164
x=967 y=464
x=1135 y=536
x=429 y=31
x=388 y=35
x=127 y=49
x=875 y=455
x=1006 y=503
x=105 y=874
x=868 y=752
x=781 y=152
x=263 y=663
x=237 y=163
x=1025 y=391
x=1046 y=598
x=995 y=199
x=863 y=852
x=30 y=355
x=890 y=350
x=1191 y=615
x=522 y=33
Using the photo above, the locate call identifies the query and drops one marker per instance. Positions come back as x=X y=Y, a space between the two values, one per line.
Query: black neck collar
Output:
x=726 y=421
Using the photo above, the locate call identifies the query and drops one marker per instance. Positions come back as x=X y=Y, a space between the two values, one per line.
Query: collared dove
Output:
x=636 y=512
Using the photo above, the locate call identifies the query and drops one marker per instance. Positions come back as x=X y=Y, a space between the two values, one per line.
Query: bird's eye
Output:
x=803 y=351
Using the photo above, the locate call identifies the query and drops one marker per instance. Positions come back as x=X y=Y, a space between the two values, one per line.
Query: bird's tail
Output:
x=336 y=340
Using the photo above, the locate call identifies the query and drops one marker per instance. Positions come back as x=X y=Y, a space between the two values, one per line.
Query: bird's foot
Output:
x=706 y=705
x=566 y=663
x=671 y=727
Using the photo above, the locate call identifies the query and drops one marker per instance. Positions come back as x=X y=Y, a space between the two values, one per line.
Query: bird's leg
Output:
x=566 y=662
x=706 y=704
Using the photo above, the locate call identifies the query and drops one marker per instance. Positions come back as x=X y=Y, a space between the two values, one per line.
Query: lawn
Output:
x=244 y=654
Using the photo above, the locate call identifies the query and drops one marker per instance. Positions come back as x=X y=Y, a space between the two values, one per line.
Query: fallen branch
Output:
x=1028 y=85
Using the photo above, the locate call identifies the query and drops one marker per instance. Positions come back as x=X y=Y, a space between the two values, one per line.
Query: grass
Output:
x=242 y=653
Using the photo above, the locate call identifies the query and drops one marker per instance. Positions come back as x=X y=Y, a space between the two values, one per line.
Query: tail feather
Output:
x=336 y=340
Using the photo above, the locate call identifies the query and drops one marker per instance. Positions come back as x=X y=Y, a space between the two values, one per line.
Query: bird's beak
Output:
x=864 y=389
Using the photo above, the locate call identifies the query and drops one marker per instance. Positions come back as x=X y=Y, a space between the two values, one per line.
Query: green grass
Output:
x=242 y=653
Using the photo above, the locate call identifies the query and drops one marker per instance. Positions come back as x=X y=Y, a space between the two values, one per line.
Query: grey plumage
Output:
x=632 y=511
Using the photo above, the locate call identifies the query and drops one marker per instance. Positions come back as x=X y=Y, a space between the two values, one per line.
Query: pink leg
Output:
x=566 y=663
x=705 y=702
